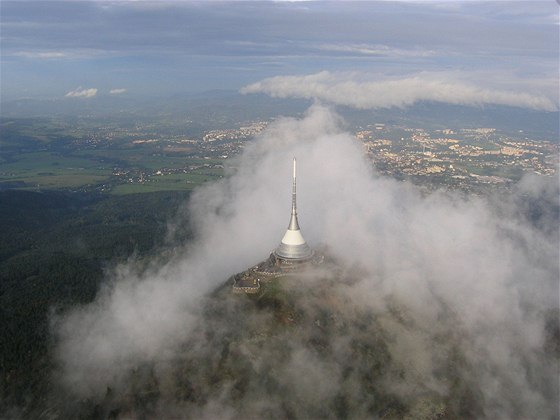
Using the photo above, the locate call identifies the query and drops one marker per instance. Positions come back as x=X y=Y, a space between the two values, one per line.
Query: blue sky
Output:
x=82 y=49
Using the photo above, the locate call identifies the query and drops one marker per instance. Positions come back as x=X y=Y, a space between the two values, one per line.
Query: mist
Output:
x=447 y=282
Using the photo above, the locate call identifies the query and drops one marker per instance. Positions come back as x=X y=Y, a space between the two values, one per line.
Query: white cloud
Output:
x=484 y=272
x=82 y=93
x=117 y=91
x=376 y=50
x=42 y=55
x=343 y=89
x=67 y=54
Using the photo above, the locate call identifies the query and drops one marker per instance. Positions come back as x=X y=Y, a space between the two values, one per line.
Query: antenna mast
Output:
x=293 y=220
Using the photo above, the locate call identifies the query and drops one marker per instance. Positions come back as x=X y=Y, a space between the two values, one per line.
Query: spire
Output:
x=294 y=225
x=293 y=246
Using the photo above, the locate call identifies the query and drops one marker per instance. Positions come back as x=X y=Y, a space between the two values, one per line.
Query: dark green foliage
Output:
x=54 y=248
x=295 y=350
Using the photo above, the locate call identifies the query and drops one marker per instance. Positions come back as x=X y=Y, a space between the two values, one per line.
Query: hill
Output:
x=298 y=349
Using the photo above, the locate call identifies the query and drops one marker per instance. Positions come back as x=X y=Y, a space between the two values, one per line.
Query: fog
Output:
x=483 y=271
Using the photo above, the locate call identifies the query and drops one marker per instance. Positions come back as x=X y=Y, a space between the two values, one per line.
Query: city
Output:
x=465 y=159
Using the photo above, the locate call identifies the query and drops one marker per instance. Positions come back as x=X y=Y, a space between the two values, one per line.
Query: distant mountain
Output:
x=434 y=115
x=223 y=108
x=218 y=105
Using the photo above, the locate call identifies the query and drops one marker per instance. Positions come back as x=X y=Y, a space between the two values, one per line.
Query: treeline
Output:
x=54 y=247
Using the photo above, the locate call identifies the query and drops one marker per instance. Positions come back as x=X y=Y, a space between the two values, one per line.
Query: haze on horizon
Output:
x=470 y=53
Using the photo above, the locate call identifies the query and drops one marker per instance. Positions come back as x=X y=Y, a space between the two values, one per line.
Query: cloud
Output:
x=302 y=37
x=42 y=54
x=342 y=89
x=117 y=91
x=82 y=93
x=376 y=50
x=450 y=296
x=69 y=54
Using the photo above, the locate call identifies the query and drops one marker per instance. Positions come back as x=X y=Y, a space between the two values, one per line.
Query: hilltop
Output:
x=297 y=349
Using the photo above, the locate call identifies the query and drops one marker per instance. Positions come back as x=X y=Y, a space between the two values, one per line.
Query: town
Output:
x=464 y=159
x=146 y=156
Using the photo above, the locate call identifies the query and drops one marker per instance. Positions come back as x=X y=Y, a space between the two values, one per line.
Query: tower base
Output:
x=250 y=281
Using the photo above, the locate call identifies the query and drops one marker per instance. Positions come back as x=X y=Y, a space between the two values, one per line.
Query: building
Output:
x=292 y=253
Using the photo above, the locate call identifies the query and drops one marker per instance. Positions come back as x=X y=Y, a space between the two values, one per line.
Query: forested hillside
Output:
x=54 y=248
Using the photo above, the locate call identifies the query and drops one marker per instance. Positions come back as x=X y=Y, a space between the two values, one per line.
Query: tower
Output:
x=292 y=255
x=293 y=248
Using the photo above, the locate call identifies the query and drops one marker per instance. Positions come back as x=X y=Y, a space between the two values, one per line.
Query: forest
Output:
x=55 y=249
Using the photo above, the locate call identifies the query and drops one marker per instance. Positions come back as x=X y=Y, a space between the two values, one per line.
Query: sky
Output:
x=506 y=51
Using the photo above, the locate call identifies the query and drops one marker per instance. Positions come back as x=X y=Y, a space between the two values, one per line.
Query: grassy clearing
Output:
x=146 y=159
x=166 y=161
x=172 y=182
x=511 y=172
x=125 y=189
x=51 y=170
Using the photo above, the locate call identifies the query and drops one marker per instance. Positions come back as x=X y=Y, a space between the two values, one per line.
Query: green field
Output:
x=511 y=172
x=52 y=170
x=143 y=158
x=172 y=182
x=89 y=168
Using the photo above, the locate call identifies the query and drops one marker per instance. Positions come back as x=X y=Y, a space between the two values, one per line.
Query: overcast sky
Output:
x=82 y=49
